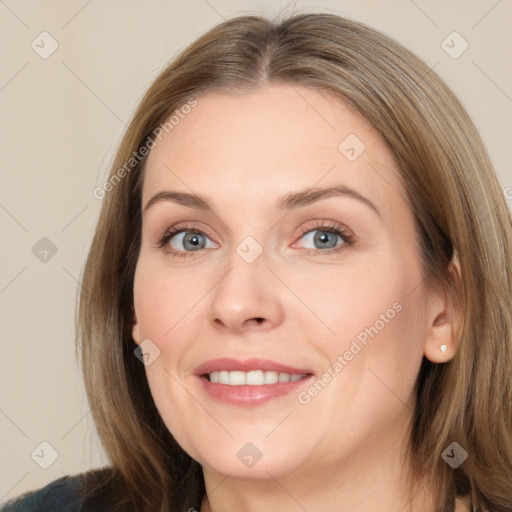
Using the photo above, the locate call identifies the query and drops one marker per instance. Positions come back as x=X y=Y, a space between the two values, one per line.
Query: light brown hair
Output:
x=461 y=216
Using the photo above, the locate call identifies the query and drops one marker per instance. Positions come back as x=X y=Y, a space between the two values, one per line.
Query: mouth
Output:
x=251 y=382
x=251 y=378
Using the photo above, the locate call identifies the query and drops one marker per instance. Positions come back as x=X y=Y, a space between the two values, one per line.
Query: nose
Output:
x=246 y=297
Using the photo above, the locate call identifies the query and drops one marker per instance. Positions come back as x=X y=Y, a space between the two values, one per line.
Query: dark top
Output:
x=59 y=495
x=67 y=494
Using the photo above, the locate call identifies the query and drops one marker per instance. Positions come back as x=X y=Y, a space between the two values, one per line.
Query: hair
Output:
x=462 y=221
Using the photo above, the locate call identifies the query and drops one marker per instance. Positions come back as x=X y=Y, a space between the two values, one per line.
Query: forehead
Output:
x=268 y=142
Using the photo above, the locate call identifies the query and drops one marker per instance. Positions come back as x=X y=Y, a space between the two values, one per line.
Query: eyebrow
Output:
x=290 y=201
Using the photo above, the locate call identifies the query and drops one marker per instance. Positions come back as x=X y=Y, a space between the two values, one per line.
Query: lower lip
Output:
x=250 y=396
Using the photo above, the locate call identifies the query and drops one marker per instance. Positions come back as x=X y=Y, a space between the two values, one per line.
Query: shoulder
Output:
x=66 y=494
x=61 y=494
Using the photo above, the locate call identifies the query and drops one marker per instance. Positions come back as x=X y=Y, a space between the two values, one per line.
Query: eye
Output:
x=328 y=238
x=184 y=241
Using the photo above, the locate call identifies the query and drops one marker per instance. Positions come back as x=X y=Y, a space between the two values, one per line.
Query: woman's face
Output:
x=278 y=280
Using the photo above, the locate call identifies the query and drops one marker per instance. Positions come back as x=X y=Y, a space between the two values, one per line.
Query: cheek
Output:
x=162 y=299
x=164 y=306
x=372 y=316
x=371 y=363
x=345 y=301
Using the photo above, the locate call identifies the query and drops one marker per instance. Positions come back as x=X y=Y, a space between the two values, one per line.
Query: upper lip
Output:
x=232 y=365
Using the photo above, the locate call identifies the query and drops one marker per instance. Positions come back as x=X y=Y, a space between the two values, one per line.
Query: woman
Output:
x=233 y=361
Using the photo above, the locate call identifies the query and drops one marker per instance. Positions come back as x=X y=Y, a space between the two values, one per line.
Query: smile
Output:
x=251 y=382
x=252 y=378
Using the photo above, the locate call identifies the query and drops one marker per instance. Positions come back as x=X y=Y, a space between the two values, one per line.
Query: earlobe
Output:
x=440 y=344
x=444 y=320
x=135 y=327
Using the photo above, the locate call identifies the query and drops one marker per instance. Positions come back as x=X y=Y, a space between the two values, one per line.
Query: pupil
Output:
x=323 y=236
x=192 y=238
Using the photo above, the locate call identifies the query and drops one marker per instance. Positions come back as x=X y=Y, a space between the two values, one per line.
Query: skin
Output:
x=341 y=450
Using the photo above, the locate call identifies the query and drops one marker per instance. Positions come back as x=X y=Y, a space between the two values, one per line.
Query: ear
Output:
x=135 y=327
x=443 y=319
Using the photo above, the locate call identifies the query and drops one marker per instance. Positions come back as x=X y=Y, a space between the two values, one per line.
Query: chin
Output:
x=260 y=470
x=243 y=459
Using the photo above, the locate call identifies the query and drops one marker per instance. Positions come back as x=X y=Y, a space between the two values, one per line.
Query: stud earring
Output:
x=443 y=348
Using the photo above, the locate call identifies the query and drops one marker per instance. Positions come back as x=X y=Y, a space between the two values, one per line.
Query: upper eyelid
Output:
x=321 y=224
x=341 y=231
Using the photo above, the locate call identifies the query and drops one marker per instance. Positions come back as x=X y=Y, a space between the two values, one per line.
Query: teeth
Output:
x=252 y=378
x=236 y=378
x=255 y=378
x=271 y=377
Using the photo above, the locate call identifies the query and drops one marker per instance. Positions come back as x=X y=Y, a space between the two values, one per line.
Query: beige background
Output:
x=62 y=118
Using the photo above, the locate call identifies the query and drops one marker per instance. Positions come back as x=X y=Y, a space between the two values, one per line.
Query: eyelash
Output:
x=330 y=227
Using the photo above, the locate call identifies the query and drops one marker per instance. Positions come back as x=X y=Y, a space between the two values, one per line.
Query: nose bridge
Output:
x=246 y=273
x=245 y=291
